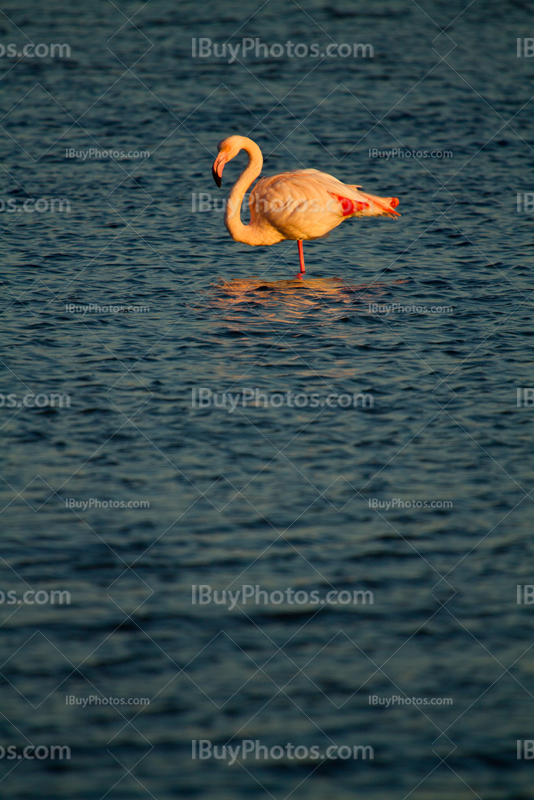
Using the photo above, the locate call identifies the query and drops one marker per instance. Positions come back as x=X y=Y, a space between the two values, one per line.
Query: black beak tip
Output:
x=216 y=178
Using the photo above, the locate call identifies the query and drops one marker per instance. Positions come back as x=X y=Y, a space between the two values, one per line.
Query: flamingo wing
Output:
x=354 y=202
x=307 y=203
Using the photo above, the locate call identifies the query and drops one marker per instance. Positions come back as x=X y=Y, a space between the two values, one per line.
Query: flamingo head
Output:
x=228 y=149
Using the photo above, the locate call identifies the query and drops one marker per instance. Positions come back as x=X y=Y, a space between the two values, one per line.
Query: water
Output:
x=276 y=497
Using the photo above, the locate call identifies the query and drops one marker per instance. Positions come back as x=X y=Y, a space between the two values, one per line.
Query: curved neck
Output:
x=232 y=217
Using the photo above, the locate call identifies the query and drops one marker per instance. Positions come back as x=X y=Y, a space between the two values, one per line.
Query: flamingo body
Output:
x=300 y=205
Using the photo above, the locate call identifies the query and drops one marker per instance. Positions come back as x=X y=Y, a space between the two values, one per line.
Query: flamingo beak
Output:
x=218 y=166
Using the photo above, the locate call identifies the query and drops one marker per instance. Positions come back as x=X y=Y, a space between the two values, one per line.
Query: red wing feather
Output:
x=349 y=206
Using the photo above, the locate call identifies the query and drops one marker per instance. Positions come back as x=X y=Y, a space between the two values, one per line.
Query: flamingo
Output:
x=303 y=204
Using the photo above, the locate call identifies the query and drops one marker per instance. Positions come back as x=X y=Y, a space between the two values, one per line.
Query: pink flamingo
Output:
x=302 y=204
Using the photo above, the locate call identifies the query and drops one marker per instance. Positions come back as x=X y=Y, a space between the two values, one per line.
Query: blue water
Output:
x=278 y=497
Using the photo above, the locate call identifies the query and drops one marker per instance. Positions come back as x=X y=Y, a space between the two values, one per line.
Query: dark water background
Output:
x=274 y=497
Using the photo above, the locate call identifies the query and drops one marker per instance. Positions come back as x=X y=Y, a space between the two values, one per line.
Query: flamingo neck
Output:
x=232 y=217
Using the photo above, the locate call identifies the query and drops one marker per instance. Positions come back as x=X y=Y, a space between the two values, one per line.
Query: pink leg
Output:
x=301 y=259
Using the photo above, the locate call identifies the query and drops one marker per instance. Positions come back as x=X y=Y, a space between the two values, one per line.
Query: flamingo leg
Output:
x=301 y=259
